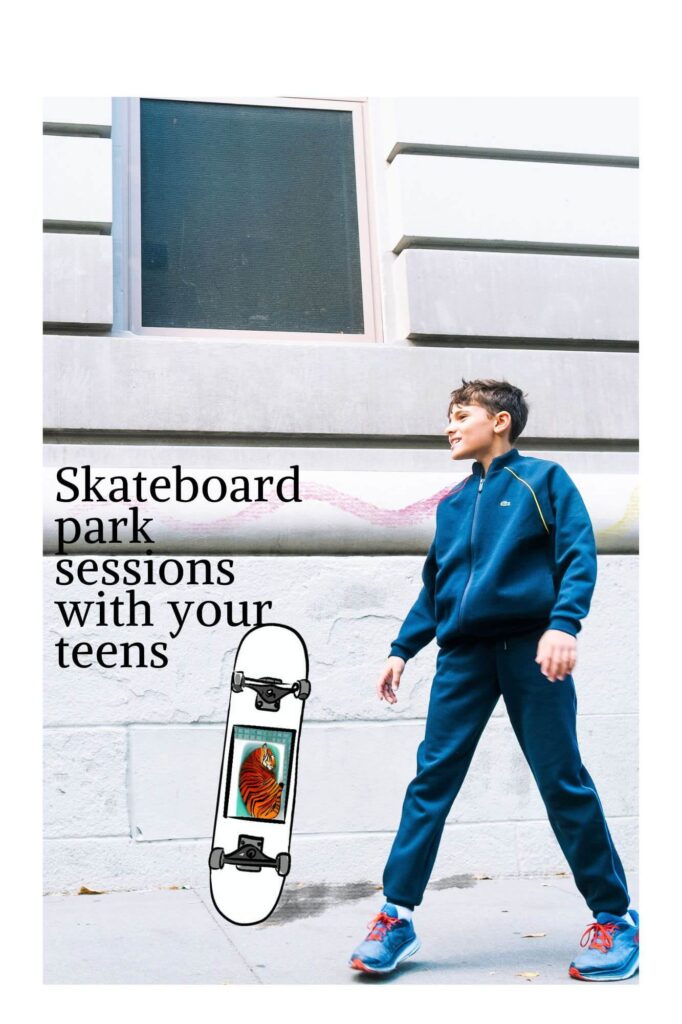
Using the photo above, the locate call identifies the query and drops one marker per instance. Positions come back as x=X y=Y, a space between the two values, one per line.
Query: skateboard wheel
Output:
x=237 y=682
x=303 y=690
x=283 y=864
x=217 y=858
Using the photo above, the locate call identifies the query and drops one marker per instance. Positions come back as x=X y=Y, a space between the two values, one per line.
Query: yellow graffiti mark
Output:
x=629 y=519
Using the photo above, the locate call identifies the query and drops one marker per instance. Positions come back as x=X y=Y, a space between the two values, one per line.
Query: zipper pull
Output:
x=480 y=486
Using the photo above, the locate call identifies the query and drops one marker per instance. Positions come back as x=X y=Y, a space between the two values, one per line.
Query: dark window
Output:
x=249 y=218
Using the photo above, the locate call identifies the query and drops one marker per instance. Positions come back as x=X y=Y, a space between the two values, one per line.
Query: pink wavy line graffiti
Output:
x=366 y=510
x=361 y=509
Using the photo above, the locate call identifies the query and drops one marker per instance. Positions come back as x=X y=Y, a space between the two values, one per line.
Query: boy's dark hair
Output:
x=495 y=396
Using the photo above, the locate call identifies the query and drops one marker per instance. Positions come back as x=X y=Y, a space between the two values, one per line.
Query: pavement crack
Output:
x=208 y=904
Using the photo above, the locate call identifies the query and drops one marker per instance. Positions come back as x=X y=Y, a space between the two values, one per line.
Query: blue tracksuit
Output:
x=513 y=555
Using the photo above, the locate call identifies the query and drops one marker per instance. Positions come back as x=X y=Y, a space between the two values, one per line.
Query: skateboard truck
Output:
x=249 y=856
x=269 y=691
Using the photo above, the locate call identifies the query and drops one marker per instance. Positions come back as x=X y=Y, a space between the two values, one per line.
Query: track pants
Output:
x=468 y=682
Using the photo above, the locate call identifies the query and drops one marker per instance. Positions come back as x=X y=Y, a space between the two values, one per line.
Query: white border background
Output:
x=527 y=48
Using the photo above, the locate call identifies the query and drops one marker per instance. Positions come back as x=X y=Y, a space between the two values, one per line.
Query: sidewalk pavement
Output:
x=502 y=931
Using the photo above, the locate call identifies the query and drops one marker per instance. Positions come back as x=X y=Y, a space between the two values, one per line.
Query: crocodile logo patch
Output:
x=505 y=503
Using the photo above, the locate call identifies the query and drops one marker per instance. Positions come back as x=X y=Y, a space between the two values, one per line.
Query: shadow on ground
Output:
x=304 y=901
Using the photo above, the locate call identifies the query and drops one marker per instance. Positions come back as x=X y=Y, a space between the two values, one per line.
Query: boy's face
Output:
x=470 y=431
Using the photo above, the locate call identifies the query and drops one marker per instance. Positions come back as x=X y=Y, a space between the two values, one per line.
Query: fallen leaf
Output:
x=483 y=878
x=529 y=975
x=84 y=891
x=534 y=935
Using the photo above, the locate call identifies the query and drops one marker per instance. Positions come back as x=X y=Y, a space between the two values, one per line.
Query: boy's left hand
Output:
x=557 y=654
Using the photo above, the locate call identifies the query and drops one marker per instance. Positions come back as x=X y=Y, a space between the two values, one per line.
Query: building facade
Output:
x=241 y=286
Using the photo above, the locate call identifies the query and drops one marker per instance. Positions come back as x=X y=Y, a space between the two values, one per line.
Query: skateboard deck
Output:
x=249 y=857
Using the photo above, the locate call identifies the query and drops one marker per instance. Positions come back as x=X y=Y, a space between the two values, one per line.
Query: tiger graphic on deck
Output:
x=258 y=785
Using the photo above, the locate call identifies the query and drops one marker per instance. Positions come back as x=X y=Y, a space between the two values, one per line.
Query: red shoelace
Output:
x=599 y=936
x=379 y=925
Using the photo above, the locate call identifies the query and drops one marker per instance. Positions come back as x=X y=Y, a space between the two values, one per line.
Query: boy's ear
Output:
x=504 y=419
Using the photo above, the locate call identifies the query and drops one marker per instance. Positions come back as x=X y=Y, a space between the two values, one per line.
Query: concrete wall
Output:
x=505 y=240
x=77 y=214
x=132 y=757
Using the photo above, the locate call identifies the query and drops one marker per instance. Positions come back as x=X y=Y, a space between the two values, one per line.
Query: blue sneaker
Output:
x=390 y=940
x=612 y=952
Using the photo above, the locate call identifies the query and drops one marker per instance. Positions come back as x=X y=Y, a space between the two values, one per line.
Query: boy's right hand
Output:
x=389 y=680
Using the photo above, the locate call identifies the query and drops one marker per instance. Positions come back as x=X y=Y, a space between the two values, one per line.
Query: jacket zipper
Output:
x=471 y=553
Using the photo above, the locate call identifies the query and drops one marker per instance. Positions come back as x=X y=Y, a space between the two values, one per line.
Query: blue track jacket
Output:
x=513 y=550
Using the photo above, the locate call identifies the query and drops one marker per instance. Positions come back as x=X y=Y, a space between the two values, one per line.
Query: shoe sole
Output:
x=627 y=973
x=358 y=965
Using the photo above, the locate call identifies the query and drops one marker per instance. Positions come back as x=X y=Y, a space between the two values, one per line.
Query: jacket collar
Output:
x=500 y=460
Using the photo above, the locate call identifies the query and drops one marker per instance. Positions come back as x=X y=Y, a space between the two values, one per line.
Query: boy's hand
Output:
x=556 y=654
x=389 y=680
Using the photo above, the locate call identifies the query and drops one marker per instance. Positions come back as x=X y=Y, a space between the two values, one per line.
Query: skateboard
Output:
x=250 y=857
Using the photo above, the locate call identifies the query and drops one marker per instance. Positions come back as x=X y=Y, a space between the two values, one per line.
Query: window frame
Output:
x=132 y=243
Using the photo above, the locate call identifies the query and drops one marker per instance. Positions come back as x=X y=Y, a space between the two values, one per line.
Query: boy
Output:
x=507 y=579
